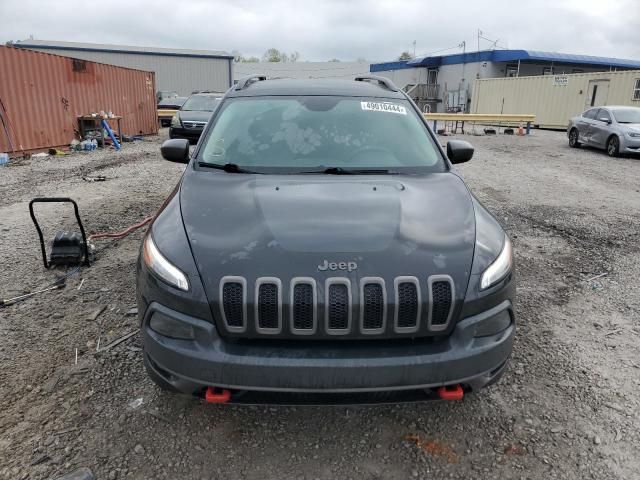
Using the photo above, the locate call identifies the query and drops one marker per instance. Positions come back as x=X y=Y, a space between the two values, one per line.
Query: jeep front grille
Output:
x=295 y=310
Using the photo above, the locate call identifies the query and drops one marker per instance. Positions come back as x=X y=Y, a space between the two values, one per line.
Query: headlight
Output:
x=633 y=134
x=159 y=265
x=175 y=121
x=500 y=267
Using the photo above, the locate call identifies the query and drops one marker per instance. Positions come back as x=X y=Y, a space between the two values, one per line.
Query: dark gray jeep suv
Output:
x=320 y=245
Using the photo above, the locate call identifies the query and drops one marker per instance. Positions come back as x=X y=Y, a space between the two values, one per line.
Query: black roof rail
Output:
x=244 y=82
x=388 y=84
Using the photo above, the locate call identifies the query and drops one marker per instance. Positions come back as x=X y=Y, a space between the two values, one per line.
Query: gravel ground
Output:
x=566 y=408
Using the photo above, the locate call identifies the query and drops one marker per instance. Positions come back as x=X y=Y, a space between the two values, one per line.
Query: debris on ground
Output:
x=97 y=178
x=514 y=449
x=118 y=341
x=434 y=447
x=135 y=403
x=93 y=316
x=79 y=474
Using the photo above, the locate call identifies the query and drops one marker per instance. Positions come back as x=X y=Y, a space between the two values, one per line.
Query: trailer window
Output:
x=512 y=70
x=636 y=90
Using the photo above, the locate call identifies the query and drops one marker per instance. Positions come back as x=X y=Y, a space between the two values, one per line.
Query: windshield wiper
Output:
x=348 y=171
x=227 y=167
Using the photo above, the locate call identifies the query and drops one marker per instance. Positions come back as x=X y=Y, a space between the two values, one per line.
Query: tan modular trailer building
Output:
x=554 y=99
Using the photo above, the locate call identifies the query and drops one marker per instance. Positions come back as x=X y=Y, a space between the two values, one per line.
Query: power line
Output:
x=459 y=45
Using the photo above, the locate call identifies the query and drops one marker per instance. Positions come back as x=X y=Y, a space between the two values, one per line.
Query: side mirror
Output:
x=175 y=150
x=459 y=151
x=605 y=120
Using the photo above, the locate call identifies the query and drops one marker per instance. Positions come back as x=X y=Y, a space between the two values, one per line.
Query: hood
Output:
x=194 y=116
x=632 y=127
x=288 y=226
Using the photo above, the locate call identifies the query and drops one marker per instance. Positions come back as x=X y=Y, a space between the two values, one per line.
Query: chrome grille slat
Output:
x=373 y=305
x=408 y=304
x=233 y=303
x=441 y=298
x=304 y=306
x=337 y=306
x=268 y=305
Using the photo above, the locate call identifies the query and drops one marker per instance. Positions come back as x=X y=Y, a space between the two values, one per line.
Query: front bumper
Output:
x=328 y=367
x=187 y=133
x=629 y=145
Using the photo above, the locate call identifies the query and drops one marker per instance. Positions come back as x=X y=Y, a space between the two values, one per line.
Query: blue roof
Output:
x=505 y=56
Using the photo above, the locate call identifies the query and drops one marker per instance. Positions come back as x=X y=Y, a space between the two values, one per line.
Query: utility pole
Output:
x=414 y=49
x=461 y=84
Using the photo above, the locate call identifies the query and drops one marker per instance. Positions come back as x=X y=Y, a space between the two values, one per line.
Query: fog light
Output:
x=170 y=327
x=493 y=325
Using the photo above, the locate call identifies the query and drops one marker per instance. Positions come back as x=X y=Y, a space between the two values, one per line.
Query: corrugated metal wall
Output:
x=553 y=102
x=43 y=95
x=340 y=70
x=183 y=74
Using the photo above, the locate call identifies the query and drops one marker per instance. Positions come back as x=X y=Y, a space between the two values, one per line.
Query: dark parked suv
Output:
x=190 y=120
x=320 y=247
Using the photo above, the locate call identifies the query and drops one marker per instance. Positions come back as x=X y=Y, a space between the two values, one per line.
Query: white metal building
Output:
x=445 y=83
x=555 y=99
x=342 y=70
x=176 y=69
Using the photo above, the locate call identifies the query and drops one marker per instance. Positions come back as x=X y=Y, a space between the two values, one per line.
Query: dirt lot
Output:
x=567 y=407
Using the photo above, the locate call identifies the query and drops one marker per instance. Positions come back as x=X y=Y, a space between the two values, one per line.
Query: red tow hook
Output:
x=214 y=395
x=451 y=392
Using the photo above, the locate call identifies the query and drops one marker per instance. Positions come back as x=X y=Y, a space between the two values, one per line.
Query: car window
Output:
x=603 y=115
x=591 y=113
x=293 y=134
x=201 y=103
x=627 y=115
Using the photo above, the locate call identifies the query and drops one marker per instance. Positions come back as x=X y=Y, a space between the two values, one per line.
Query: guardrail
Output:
x=506 y=118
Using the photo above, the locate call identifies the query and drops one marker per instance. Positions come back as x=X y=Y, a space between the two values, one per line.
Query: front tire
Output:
x=573 y=138
x=613 y=146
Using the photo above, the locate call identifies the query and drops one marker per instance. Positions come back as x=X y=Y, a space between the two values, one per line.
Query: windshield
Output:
x=201 y=103
x=626 y=115
x=311 y=133
x=175 y=102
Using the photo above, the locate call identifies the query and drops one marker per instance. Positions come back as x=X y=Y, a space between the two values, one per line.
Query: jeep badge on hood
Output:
x=327 y=265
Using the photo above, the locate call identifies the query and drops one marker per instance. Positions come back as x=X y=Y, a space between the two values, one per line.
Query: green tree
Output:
x=405 y=56
x=293 y=57
x=272 y=55
x=238 y=57
x=275 y=55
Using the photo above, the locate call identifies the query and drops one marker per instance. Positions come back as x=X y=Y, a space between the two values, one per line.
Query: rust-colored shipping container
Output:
x=43 y=94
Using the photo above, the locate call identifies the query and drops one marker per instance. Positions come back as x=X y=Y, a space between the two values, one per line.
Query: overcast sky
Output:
x=324 y=29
